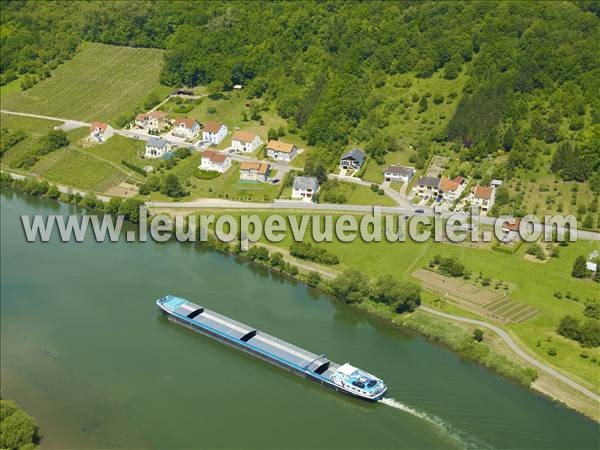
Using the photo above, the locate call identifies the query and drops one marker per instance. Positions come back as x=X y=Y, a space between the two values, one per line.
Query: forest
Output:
x=533 y=67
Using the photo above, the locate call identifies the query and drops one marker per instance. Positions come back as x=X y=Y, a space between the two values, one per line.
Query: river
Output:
x=84 y=350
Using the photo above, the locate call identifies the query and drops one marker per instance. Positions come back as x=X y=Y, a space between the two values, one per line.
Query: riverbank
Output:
x=487 y=353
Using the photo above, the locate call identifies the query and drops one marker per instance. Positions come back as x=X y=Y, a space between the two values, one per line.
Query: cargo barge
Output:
x=343 y=378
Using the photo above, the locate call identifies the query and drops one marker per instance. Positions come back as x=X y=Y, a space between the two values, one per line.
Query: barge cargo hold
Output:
x=343 y=378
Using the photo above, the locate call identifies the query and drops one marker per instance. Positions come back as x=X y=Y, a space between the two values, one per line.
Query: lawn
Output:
x=374 y=172
x=101 y=82
x=355 y=194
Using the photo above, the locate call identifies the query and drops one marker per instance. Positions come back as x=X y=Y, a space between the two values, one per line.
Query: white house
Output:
x=214 y=132
x=100 y=131
x=153 y=121
x=254 y=171
x=450 y=189
x=186 y=128
x=244 y=141
x=398 y=173
x=218 y=162
x=156 y=147
x=281 y=151
x=510 y=231
x=304 y=188
x=483 y=197
x=353 y=159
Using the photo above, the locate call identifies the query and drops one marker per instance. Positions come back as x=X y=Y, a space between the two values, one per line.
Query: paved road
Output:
x=515 y=348
x=217 y=203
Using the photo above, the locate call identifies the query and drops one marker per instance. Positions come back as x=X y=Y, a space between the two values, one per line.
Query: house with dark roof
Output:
x=156 y=148
x=304 y=188
x=398 y=173
x=353 y=159
x=428 y=186
x=214 y=132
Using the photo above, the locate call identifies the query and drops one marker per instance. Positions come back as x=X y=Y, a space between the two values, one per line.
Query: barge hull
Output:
x=242 y=337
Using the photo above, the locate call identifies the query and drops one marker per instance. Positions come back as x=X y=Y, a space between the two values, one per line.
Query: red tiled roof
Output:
x=212 y=127
x=261 y=168
x=188 y=123
x=100 y=125
x=447 y=185
x=483 y=192
x=243 y=136
x=511 y=227
x=217 y=158
x=157 y=114
x=280 y=146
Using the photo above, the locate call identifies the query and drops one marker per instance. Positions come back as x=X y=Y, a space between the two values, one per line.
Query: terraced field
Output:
x=101 y=82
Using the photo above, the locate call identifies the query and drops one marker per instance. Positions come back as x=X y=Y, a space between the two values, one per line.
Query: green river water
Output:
x=84 y=350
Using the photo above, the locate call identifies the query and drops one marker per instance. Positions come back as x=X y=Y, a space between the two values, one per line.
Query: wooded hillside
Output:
x=533 y=67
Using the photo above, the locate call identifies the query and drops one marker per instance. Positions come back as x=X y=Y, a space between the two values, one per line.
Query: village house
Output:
x=398 y=173
x=218 y=162
x=156 y=148
x=510 y=231
x=100 y=131
x=281 y=151
x=254 y=171
x=352 y=159
x=153 y=121
x=304 y=188
x=428 y=186
x=450 y=189
x=186 y=128
x=483 y=197
x=244 y=141
x=214 y=132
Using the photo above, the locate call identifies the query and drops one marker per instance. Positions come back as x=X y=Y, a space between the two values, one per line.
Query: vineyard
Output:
x=101 y=82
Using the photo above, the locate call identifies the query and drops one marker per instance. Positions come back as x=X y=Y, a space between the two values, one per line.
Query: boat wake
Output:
x=466 y=440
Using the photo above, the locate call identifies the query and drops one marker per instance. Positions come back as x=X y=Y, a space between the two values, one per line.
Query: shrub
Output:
x=536 y=250
x=478 y=335
x=313 y=279
x=308 y=251
x=579 y=268
x=206 y=174
x=552 y=351
x=258 y=253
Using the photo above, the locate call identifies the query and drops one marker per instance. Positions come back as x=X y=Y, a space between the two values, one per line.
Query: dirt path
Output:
x=515 y=348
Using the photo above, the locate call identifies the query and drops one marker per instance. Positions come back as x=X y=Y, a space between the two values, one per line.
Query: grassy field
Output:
x=75 y=168
x=36 y=127
x=101 y=82
x=357 y=194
